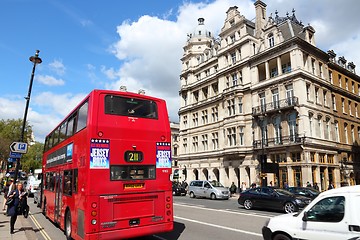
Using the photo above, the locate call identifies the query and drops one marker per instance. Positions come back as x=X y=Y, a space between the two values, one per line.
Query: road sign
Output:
x=15 y=155
x=18 y=147
x=11 y=159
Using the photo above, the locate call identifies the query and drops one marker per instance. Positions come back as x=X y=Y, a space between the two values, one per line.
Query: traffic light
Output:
x=184 y=172
x=10 y=164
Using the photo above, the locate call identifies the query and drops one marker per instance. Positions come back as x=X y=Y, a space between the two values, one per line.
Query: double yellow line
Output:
x=39 y=227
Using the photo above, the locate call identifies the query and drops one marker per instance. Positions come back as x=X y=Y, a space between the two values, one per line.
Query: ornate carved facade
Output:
x=261 y=103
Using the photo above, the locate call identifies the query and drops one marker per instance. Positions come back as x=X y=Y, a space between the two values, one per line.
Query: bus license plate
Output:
x=133 y=185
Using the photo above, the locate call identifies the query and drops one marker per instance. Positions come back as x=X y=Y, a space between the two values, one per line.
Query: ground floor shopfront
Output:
x=294 y=168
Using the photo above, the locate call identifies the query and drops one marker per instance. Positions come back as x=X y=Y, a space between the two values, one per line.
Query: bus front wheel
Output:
x=68 y=225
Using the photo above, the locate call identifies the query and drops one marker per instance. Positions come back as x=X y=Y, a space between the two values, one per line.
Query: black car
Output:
x=304 y=191
x=272 y=198
x=178 y=189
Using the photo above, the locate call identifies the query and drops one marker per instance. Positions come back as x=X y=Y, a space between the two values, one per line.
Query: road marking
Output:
x=219 y=226
x=39 y=227
x=158 y=237
x=225 y=211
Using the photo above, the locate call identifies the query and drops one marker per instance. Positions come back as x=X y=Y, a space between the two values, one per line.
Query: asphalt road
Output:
x=194 y=219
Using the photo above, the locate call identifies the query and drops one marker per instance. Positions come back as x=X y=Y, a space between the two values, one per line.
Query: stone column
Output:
x=337 y=179
x=267 y=70
x=244 y=177
x=290 y=173
x=306 y=175
x=223 y=176
x=253 y=175
x=278 y=62
x=317 y=177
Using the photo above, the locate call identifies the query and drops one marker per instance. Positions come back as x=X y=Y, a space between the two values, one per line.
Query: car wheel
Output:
x=192 y=195
x=281 y=237
x=289 y=207
x=213 y=196
x=248 y=204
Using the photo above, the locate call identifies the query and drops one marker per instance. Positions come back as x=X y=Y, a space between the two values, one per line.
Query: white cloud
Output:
x=12 y=107
x=50 y=108
x=49 y=80
x=109 y=73
x=58 y=67
x=150 y=49
x=58 y=104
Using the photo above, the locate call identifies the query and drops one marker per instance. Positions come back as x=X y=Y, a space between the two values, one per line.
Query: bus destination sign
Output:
x=133 y=156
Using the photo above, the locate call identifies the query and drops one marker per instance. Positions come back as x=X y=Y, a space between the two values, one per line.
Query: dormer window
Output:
x=310 y=38
x=271 y=40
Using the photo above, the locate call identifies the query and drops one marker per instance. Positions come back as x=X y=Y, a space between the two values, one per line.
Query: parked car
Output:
x=178 y=189
x=333 y=215
x=272 y=198
x=208 y=189
x=304 y=191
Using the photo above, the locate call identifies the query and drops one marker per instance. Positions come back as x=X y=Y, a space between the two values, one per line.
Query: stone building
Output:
x=260 y=103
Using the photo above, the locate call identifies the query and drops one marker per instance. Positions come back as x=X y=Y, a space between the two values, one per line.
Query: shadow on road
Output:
x=173 y=235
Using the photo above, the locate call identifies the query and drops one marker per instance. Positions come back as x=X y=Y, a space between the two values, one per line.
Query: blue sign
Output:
x=12 y=160
x=15 y=155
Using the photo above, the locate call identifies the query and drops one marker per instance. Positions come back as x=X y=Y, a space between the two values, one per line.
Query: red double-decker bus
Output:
x=107 y=166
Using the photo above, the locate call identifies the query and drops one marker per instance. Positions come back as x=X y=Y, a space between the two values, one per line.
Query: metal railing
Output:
x=276 y=105
x=279 y=141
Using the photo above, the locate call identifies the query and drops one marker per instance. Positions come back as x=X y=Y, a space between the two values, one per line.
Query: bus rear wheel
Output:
x=67 y=228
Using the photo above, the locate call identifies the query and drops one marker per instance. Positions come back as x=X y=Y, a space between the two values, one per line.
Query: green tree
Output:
x=33 y=158
x=10 y=131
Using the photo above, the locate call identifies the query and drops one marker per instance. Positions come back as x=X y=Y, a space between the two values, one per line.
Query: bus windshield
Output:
x=132 y=107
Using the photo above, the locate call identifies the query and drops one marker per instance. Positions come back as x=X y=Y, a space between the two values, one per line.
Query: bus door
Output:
x=58 y=195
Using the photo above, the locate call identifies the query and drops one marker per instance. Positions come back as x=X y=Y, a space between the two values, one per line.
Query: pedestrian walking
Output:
x=331 y=186
x=233 y=188
x=316 y=187
x=5 y=191
x=243 y=186
x=13 y=207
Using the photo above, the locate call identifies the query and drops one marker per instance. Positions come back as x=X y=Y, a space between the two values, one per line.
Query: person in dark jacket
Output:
x=13 y=208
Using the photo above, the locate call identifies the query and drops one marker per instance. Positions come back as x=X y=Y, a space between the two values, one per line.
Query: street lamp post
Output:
x=35 y=60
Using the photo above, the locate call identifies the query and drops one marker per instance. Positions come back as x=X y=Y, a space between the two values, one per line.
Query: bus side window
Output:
x=52 y=182
x=82 y=117
x=75 y=181
x=67 y=182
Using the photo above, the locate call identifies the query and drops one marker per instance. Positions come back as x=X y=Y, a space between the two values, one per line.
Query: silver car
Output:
x=208 y=189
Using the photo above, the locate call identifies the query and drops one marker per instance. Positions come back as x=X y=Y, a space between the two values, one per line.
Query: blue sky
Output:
x=88 y=45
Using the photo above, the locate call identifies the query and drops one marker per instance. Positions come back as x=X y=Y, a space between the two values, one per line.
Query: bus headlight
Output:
x=93 y=222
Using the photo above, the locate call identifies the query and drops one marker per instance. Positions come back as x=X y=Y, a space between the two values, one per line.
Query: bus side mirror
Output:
x=305 y=217
x=39 y=176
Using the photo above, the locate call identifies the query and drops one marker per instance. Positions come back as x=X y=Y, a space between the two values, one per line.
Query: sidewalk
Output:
x=23 y=227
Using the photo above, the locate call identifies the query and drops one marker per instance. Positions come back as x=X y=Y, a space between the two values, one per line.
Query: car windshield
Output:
x=216 y=184
x=283 y=192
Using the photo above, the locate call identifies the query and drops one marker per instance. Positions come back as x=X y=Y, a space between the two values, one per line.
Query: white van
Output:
x=32 y=184
x=333 y=215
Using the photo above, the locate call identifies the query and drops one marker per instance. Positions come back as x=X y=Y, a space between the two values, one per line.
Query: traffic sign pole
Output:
x=35 y=60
